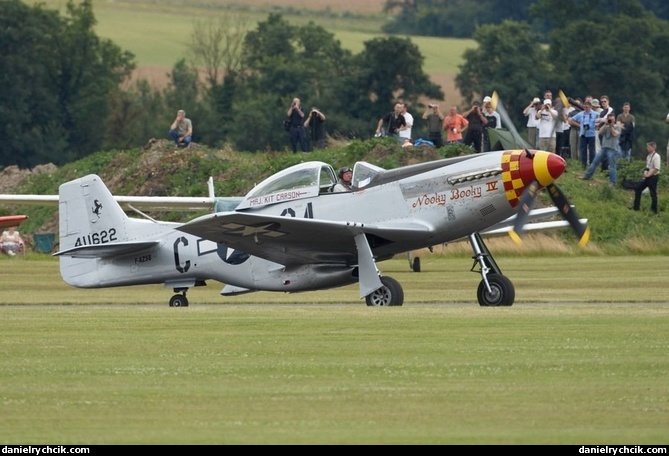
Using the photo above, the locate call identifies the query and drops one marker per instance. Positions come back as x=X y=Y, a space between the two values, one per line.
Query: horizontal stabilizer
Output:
x=104 y=251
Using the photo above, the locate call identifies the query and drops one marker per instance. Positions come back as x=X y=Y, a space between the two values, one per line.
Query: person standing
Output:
x=547 y=118
x=315 y=123
x=454 y=123
x=494 y=122
x=628 y=123
x=393 y=121
x=530 y=112
x=405 y=131
x=610 y=133
x=585 y=120
x=435 y=120
x=475 y=122
x=651 y=174
x=181 y=130
x=298 y=134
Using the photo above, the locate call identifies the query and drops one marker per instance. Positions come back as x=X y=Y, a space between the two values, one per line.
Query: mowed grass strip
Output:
x=295 y=374
x=312 y=372
x=550 y=279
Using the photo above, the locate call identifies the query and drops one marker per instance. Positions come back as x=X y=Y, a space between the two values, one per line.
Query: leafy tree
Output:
x=454 y=18
x=625 y=56
x=508 y=59
x=281 y=61
x=57 y=117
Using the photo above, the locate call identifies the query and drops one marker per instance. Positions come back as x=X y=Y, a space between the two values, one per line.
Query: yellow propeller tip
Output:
x=585 y=238
x=515 y=237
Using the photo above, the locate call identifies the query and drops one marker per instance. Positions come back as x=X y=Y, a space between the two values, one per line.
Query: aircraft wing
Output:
x=294 y=241
x=506 y=225
x=147 y=203
x=106 y=251
x=12 y=220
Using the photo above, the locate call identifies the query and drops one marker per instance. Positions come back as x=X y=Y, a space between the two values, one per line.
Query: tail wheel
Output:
x=502 y=292
x=390 y=294
x=178 y=300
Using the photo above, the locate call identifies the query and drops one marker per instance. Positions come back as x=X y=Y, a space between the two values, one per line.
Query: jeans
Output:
x=586 y=147
x=174 y=134
x=611 y=155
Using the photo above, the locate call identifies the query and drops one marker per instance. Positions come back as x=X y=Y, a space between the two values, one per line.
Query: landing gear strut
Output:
x=494 y=289
x=179 y=300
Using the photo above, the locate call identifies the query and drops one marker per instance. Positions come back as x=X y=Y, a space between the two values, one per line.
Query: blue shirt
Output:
x=587 y=118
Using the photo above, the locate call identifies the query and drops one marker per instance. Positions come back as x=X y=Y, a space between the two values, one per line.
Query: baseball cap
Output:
x=536 y=100
x=487 y=100
x=547 y=102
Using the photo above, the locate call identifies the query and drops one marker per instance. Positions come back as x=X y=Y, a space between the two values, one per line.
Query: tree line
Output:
x=67 y=94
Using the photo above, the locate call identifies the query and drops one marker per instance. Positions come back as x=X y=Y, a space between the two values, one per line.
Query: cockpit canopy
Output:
x=303 y=181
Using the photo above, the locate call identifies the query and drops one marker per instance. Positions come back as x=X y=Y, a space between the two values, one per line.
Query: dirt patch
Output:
x=11 y=177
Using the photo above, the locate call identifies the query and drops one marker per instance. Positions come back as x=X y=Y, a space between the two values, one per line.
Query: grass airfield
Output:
x=118 y=366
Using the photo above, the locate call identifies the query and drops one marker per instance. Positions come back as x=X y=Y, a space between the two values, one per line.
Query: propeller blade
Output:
x=563 y=97
x=494 y=99
x=526 y=204
x=569 y=213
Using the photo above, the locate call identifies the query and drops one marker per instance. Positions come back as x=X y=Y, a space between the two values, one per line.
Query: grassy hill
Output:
x=160 y=169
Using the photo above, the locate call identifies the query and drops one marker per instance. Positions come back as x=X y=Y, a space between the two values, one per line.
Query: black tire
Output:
x=178 y=300
x=502 y=291
x=390 y=294
x=416 y=265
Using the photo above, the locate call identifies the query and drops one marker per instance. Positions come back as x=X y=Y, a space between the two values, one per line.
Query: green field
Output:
x=158 y=35
x=571 y=362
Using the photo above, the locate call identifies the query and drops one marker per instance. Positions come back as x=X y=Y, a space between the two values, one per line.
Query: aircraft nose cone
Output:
x=548 y=167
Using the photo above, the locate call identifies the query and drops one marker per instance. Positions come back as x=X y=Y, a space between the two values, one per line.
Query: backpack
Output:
x=286 y=125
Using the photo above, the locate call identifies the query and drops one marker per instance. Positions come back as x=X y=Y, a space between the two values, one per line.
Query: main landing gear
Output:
x=179 y=299
x=494 y=289
x=390 y=294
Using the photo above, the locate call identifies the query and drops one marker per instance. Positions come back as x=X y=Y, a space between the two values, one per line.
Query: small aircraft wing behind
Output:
x=294 y=241
x=12 y=220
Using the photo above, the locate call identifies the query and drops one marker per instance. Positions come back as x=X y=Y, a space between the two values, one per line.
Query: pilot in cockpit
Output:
x=344 y=183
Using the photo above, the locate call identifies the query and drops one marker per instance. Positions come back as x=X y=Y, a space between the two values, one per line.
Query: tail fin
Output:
x=89 y=215
x=93 y=227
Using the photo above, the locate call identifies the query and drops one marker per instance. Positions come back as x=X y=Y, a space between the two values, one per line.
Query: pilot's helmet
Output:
x=343 y=170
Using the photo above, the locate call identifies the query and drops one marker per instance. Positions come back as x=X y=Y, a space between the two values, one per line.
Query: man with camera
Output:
x=585 y=120
x=547 y=117
x=435 y=120
x=314 y=123
x=297 y=133
x=475 y=122
x=610 y=133
x=651 y=174
x=530 y=112
x=394 y=122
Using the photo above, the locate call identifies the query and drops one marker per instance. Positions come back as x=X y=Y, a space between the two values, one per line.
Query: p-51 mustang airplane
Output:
x=291 y=233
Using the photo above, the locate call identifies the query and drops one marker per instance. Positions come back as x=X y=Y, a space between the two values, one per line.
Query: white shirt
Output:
x=547 y=123
x=406 y=133
x=532 y=117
